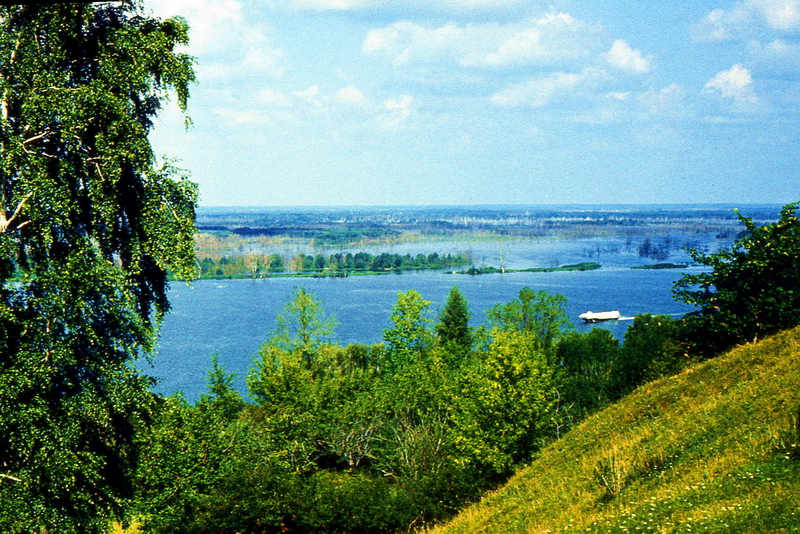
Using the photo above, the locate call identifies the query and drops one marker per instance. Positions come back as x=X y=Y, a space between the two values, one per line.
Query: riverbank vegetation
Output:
x=586 y=266
x=385 y=437
x=647 y=226
x=338 y=264
x=652 y=233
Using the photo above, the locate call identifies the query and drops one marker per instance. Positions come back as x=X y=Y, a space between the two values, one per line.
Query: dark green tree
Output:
x=453 y=326
x=202 y=471
x=586 y=362
x=749 y=291
x=88 y=229
x=651 y=349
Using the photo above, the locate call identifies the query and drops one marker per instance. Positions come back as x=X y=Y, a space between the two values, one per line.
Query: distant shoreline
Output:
x=472 y=271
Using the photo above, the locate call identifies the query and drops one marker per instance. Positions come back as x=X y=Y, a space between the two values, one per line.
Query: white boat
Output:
x=594 y=317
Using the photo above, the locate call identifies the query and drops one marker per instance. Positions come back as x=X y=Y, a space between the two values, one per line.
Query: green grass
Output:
x=714 y=449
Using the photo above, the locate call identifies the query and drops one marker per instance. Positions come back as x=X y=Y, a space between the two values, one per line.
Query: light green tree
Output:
x=88 y=230
x=303 y=326
x=410 y=335
x=503 y=406
x=538 y=314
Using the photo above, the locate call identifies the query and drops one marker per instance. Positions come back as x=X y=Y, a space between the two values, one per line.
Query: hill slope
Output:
x=714 y=449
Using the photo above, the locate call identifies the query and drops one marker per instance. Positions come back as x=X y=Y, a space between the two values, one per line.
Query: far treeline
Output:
x=256 y=265
x=331 y=236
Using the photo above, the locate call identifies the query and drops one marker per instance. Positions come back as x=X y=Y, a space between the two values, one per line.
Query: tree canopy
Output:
x=89 y=226
x=453 y=326
x=749 y=291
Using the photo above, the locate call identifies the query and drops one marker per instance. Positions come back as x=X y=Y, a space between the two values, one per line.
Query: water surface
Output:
x=234 y=317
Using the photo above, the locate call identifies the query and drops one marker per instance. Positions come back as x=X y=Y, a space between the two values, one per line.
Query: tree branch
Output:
x=15 y=479
x=36 y=137
x=5 y=222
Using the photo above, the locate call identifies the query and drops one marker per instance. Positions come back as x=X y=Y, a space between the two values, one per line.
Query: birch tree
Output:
x=89 y=227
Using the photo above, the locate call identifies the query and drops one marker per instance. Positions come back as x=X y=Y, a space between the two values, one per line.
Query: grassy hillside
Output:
x=714 y=449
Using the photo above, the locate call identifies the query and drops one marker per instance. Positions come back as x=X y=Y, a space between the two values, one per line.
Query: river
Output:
x=234 y=317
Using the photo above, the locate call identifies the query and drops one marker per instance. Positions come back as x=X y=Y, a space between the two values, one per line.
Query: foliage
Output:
x=750 y=291
x=587 y=365
x=708 y=450
x=586 y=266
x=595 y=371
x=217 y=266
x=352 y=439
x=91 y=227
x=409 y=336
x=203 y=471
x=504 y=404
x=226 y=400
x=537 y=313
x=657 y=252
x=302 y=326
x=346 y=235
x=453 y=329
x=651 y=349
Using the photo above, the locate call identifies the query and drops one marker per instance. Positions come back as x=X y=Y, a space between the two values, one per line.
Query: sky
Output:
x=452 y=102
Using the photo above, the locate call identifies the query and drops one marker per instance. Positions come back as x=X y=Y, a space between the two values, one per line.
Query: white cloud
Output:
x=227 y=40
x=552 y=38
x=735 y=84
x=555 y=36
x=311 y=95
x=351 y=95
x=670 y=101
x=329 y=5
x=750 y=17
x=210 y=21
x=777 y=56
x=406 y=42
x=539 y=92
x=265 y=60
x=398 y=110
x=524 y=44
x=240 y=116
x=623 y=57
x=779 y=14
x=273 y=98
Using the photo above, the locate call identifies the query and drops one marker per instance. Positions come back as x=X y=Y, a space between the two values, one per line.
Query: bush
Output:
x=750 y=291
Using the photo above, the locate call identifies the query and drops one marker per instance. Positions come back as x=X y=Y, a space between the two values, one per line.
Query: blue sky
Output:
x=415 y=102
